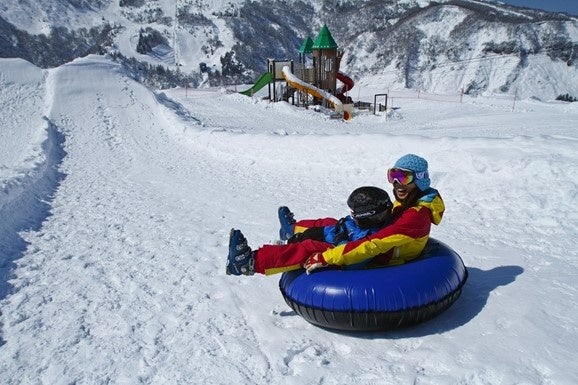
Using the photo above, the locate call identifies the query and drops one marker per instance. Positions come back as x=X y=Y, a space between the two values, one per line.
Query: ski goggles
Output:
x=403 y=176
x=371 y=211
x=363 y=214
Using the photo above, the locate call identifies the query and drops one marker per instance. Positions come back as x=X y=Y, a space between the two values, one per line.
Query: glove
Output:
x=314 y=233
x=341 y=233
x=295 y=238
x=314 y=262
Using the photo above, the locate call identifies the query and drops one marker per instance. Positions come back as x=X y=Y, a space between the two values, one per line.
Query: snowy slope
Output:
x=121 y=279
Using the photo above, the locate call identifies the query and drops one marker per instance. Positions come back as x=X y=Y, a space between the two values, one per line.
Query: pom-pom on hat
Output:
x=419 y=166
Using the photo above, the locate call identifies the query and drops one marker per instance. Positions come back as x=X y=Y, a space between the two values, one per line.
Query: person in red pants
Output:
x=417 y=205
x=370 y=210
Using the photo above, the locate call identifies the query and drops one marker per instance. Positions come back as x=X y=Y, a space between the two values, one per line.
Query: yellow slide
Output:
x=299 y=84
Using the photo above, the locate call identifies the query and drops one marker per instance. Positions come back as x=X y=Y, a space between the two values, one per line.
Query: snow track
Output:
x=113 y=232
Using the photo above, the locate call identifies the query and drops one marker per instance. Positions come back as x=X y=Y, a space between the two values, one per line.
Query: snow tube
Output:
x=381 y=298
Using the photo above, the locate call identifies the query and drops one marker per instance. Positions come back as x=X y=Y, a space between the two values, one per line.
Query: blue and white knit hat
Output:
x=419 y=166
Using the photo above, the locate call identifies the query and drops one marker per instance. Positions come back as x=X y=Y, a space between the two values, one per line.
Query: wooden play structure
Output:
x=312 y=80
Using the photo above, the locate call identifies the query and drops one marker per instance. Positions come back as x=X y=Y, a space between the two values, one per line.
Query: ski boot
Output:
x=241 y=260
x=287 y=221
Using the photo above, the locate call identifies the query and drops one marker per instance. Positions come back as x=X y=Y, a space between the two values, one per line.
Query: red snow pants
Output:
x=273 y=259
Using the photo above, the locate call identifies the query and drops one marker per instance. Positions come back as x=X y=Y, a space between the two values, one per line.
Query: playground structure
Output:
x=311 y=81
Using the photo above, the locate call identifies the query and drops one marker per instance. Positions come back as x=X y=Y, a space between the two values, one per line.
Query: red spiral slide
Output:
x=347 y=85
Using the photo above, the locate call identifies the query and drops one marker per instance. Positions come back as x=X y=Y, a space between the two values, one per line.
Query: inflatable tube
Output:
x=381 y=298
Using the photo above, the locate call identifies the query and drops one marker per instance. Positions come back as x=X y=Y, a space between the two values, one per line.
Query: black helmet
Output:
x=370 y=206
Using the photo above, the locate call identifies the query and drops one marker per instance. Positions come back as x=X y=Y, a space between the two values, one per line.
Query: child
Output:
x=370 y=208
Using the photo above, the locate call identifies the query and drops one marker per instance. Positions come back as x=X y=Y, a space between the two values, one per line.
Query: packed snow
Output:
x=117 y=202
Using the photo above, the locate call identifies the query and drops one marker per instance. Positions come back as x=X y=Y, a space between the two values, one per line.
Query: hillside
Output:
x=443 y=47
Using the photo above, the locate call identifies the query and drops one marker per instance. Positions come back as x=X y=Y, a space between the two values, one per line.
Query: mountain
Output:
x=452 y=46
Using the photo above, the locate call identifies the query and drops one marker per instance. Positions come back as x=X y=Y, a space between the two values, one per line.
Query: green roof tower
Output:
x=326 y=61
x=307 y=46
x=324 y=39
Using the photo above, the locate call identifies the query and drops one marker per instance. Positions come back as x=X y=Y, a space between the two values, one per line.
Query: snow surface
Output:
x=116 y=205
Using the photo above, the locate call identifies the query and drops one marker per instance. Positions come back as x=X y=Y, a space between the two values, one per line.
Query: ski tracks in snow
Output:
x=95 y=275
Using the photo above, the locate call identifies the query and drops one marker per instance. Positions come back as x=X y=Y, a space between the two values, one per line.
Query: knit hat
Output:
x=419 y=166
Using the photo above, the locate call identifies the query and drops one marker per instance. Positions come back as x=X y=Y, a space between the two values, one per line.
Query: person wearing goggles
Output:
x=408 y=184
x=417 y=205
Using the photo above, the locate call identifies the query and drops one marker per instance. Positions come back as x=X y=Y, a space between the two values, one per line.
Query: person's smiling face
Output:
x=402 y=191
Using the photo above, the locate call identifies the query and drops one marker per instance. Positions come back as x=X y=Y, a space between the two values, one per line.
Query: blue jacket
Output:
x=346 y=230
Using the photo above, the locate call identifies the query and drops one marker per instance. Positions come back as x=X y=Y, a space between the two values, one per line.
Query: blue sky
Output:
x=568 y=6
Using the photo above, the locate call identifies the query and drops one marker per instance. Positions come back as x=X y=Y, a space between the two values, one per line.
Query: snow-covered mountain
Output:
x=443 y=47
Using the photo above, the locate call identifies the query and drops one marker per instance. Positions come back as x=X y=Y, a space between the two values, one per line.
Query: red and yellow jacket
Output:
x=397 y=243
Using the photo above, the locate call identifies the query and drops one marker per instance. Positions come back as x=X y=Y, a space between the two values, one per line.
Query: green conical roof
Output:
x=324 y=40
x=307 y=46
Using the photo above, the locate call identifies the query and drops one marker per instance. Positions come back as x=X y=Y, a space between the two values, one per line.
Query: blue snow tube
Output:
x=381 y=298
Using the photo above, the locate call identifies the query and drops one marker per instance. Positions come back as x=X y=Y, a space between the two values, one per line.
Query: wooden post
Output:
x=515 y=96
